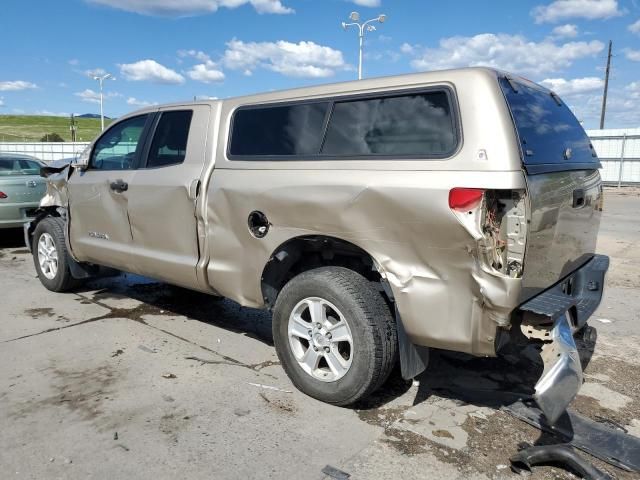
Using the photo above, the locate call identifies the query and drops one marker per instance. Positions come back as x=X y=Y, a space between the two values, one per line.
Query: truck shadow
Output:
x=161 y=299
x=487 y=382
x=490 y=382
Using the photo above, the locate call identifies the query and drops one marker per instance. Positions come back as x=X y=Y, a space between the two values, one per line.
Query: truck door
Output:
x=163 y=193
x=98 y=196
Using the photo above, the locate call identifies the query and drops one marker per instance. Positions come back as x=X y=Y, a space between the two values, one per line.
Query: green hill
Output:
x=31 y=128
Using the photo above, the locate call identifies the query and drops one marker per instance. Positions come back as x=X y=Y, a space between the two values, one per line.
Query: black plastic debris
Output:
x=610 y=445
x=333 y=472
x=559 y=455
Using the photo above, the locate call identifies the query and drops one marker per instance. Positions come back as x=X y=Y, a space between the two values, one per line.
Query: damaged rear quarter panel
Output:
x=401 y=218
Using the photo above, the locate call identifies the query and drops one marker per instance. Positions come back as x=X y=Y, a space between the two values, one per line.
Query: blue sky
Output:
x=168 y=50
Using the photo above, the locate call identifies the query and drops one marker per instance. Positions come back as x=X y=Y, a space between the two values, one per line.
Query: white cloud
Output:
x=15 y=85
x=622 y=108
x=91 y=96
x=563 y=9
x=150 y=70
x=206 y=72
x=367 y=3
x=574 y=86
x=509 y=52
x=95 y=72
x=635 y=27
x=633 y=55
x=565 y=31
x=197 y=54
x=185 y=8
x=634 y=89
x=303 y=59
x=139 y=103
x=1 y=101
x=73 y=61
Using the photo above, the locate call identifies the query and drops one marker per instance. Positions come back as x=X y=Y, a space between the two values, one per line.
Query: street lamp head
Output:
x=355 y=16
x=344 y=25
x=382 y=18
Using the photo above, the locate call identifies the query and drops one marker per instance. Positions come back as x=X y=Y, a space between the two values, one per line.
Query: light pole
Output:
x=101 y=79
x=362 y=28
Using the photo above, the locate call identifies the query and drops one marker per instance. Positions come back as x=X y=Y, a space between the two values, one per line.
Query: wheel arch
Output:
x=302 y=253
x=41 y=214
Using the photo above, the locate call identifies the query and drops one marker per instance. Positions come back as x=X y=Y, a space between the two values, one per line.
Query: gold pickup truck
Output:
x=457 y=210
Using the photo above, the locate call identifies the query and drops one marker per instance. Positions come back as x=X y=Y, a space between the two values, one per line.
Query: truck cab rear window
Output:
x=416 y=125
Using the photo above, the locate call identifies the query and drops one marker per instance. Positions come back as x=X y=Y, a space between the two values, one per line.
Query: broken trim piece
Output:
x=609 y=445
x=559 y=455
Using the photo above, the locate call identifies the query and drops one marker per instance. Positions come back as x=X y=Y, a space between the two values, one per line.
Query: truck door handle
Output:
x=578 y=198
x=119 y=186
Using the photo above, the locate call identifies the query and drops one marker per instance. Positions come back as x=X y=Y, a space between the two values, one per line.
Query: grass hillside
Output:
x=31 y=128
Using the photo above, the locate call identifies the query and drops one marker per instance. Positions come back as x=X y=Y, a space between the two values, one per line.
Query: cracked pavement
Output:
x=128 y=377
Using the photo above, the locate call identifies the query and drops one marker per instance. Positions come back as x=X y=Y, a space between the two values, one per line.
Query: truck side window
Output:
x=169 y=146
x=278 y=130
x=418 y=124
x=117 y=149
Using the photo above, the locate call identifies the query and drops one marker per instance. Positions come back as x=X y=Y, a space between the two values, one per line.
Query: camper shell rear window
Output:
x=551 y=137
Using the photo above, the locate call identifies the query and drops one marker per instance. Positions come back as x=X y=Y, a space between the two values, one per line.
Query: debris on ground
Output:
x=168 y=375
x=335 y=473
x=117 y=352
x=560 y=455
x=115 y=436
x=268 y=387
x=147 y=349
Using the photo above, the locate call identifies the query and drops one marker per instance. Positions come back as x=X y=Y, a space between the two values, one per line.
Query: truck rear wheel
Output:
x=50 y=255
x=334 y=334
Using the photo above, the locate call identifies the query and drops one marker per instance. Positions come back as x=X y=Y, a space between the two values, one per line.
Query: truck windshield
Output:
x=551 y=138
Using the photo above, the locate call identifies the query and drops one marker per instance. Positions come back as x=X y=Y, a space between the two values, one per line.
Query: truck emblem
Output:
x=102 y=236
x=32 y=184
x=567 y=153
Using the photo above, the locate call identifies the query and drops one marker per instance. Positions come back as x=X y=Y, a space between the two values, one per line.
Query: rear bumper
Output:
x=562 y=376
x=567 y=306
x=579 y=293
x=15 y=215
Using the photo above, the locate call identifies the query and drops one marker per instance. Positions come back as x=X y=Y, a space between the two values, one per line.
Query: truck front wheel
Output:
x=334 y=334
x=50 y=255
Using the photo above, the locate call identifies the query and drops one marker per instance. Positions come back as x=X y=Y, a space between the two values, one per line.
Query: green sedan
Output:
x=21 y=189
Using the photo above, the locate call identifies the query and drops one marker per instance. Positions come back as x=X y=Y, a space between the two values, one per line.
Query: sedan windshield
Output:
x=10 y=166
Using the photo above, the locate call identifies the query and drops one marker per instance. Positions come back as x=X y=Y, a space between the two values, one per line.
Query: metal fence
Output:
x=618 y=149
x=619 y=153
x=45 y=151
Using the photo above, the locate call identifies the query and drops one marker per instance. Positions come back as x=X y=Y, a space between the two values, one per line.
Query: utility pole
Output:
x=606 y=87
x=73 y=128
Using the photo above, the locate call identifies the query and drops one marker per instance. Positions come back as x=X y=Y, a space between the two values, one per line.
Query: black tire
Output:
x=63 y=280
x=372 y=327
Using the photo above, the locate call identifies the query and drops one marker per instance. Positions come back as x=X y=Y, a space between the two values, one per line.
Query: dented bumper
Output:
x=566 y=306
x=562 y=375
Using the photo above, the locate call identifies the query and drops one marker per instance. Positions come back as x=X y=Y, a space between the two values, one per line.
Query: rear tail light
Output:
x=496 y=220
x=3 y=195
x=465 y=199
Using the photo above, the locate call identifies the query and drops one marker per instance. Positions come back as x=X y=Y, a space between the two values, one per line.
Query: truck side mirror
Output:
x=81 y=162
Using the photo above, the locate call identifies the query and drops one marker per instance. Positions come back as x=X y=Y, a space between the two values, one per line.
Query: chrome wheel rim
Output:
x=47 y=256
x=320 y=339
